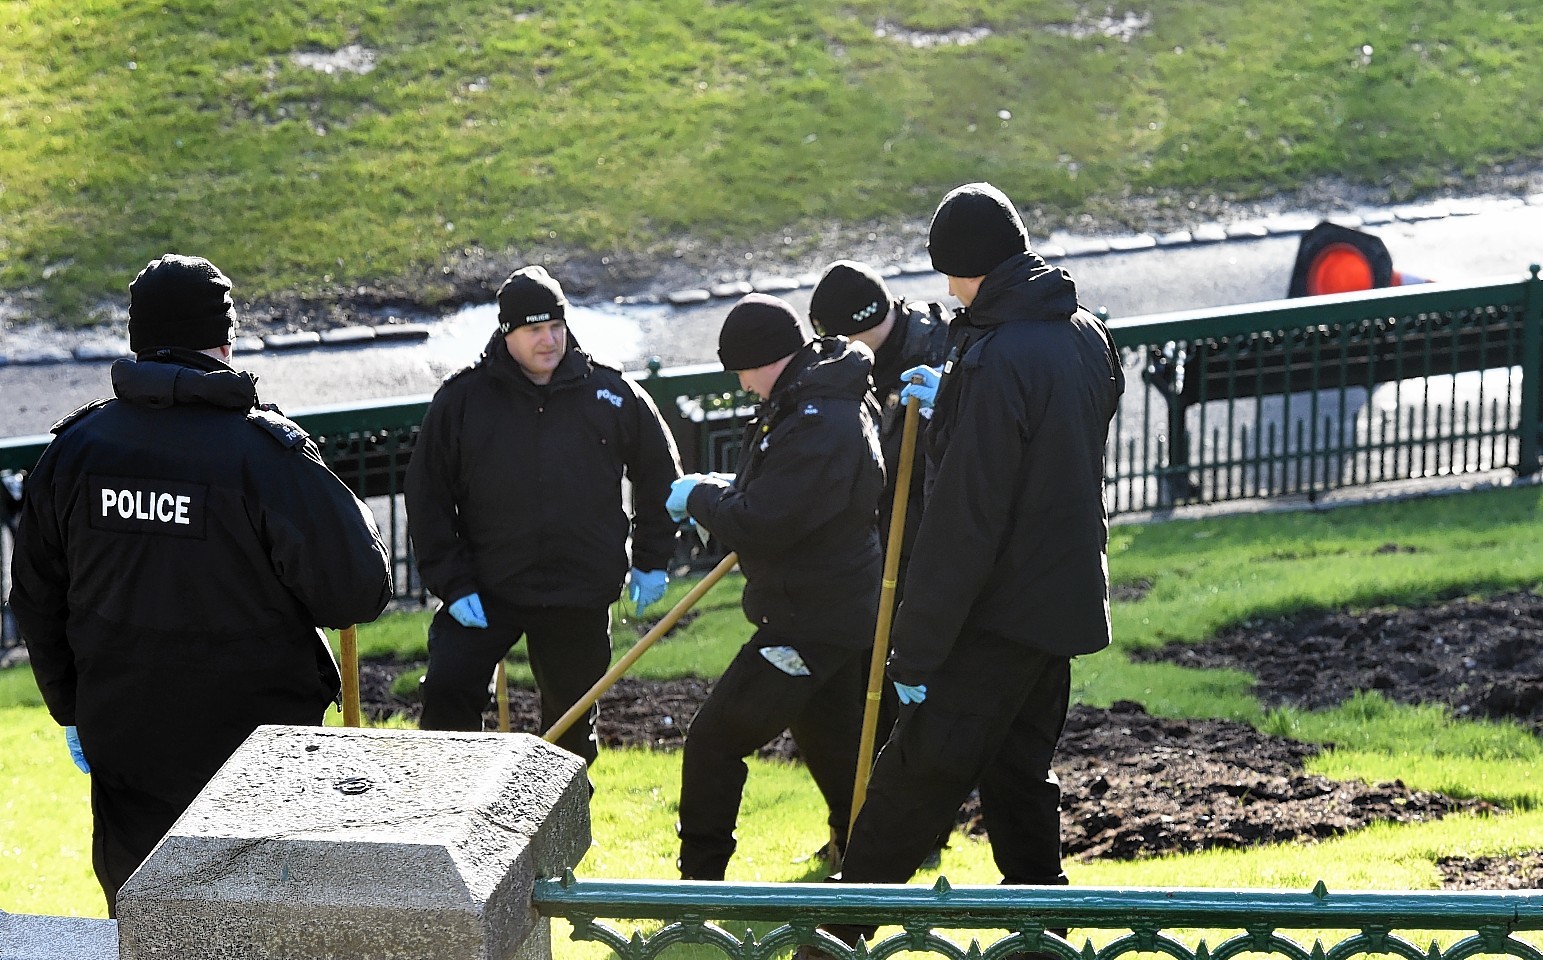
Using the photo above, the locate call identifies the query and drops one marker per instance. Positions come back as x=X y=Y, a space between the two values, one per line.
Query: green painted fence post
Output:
x=1532 y=369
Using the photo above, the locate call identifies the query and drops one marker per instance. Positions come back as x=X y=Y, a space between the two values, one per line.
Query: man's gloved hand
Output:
x=467 y=611
x=72 y=739
x=679 y=491
x=910 y=694
x=647 y=588
x=925 y=392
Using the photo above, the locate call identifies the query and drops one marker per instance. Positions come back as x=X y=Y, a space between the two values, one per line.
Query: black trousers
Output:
x=569 y=649
x=992 y=716
x=126 y=824
x=749 y=706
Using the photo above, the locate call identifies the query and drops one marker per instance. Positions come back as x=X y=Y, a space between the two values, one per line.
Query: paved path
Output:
x=1459 y=241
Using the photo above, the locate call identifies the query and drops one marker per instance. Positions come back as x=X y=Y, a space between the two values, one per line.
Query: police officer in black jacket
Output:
x=800 y=513
x=514 y=505
x=1009 y=576
x=178 y=547
x=853 y=301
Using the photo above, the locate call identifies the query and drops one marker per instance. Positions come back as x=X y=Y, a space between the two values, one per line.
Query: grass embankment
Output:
x=617 y=127
x=1203 y=575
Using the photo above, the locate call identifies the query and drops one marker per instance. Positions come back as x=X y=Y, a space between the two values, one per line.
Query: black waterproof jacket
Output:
x=514 y=489
x=920 y=336
x=1014 y=537
x=802 y=510
x=178 y=548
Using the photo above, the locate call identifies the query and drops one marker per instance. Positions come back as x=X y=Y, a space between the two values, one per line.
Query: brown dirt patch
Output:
x=1479 y=657
x=1521 y=872
x=1134 y=785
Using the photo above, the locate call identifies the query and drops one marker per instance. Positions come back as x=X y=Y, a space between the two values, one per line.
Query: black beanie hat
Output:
x=179 y=301
x=529 y=295
x=849 y=298
x=759 y=330
x=974 y=229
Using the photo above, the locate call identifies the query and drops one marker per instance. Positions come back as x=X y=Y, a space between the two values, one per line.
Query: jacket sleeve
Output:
x=803 y=482
x=969 y=503
x=40 y=583
x=322 y=541
x=444 y=561
x=653 y=465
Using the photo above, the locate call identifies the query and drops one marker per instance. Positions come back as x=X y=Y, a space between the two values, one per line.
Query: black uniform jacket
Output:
x=920 y=336
x=178 y=547
x=802 y=511
x=515 y=488
x=1014 y=537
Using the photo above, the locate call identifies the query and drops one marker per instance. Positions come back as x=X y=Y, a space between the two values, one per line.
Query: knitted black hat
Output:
x=179 y=301
x=974 y=229
x=849 y=298
x=530 y=295
x=759 y=330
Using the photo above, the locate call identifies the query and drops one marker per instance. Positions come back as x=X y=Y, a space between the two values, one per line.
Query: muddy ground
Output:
x=1135 y=785
x=1480 y=658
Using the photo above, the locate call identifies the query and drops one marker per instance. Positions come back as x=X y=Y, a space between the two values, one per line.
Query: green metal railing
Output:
x=1306 y=396
x=697 y=913
x=1293 y=397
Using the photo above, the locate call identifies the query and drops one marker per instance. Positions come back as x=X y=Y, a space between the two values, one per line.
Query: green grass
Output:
x=45 y=819
x=616 y=127
x=1204 y=575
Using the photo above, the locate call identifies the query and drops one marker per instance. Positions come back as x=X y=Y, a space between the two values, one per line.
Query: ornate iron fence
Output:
x=1307 y=396
x=1250 y=921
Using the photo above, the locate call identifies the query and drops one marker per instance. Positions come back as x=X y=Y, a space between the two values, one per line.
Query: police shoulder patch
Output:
x=78 y=414
x=286 y=431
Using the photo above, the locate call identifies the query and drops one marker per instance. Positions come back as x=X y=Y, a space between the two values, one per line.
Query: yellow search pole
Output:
x=886 y=606
x=501 y=696
x=649 y=639
x=348 y=639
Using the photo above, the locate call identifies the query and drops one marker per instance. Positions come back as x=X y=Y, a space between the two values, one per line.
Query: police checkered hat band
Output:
x=850 y=298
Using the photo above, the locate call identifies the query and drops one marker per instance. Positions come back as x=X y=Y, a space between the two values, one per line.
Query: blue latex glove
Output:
x=647 y=588
x=926 y=391
x=467 y=611
x=910 y=694
x=679 y=491
x=72 y=738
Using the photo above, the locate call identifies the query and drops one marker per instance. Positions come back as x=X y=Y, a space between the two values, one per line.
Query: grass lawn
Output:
x=611 y=128
x=1204 y=574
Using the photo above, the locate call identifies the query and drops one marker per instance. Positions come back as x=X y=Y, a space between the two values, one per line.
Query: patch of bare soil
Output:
x=1479 y=657
x=1521 y=872
x=1133 y=785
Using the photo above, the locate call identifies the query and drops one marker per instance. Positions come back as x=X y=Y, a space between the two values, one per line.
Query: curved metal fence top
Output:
x=1007 y=907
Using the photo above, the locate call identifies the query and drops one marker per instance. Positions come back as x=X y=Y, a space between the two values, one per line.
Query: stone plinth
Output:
x=57 y=938
x=342 y=843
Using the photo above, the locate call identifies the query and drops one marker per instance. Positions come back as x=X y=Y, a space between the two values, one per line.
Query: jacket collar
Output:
x=824 y=367
x=1023 y=287
x=173 y=377
x=575 y=366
